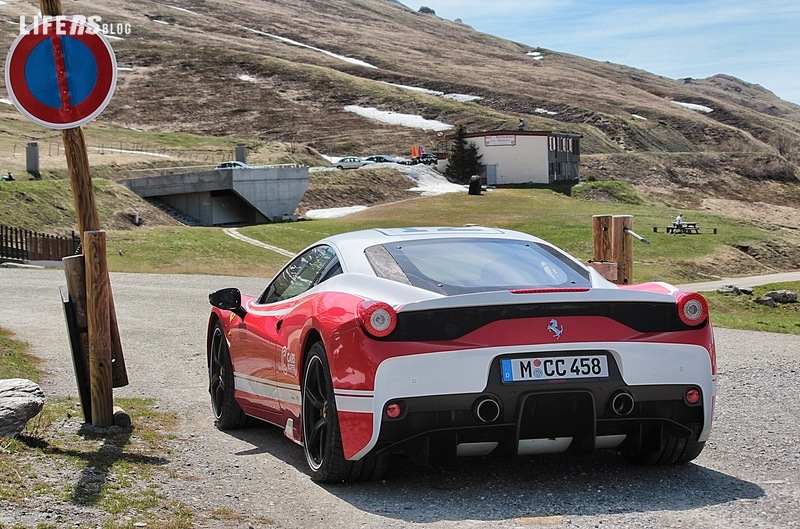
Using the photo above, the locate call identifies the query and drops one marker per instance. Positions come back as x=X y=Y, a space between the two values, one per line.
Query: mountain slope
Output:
x=270 y=70
x=211 y=67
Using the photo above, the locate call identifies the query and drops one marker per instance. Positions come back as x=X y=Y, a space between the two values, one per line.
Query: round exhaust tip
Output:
x=622 y=403
x=486 y=409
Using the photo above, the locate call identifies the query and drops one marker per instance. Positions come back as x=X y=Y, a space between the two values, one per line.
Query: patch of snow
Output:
x=429 y=181
x=637 y=116
x=6 y=101
x=462 y=98
x=692 y=106
x=124 y=68
x=351 y=60
x=416 y=89
x=113 y=37
x=534 y=53
x=331 y=159
x=161 y=22
x=247 y=78
x=395 y=118
x=126 y=151
x=176 y=8
x=332 y=212
x=544 y=111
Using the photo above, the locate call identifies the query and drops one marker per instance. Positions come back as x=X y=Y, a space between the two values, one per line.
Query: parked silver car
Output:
x=351 y=162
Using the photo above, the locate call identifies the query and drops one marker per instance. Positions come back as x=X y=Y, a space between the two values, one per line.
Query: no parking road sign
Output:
x=61 y=72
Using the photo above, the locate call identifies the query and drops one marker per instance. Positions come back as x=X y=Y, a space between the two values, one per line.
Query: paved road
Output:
x=748 y=476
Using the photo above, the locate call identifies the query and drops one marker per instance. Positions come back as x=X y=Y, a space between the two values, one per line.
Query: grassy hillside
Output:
x=739 y=247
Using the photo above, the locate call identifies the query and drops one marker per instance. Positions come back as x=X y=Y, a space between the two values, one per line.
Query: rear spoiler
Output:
x=535 y=296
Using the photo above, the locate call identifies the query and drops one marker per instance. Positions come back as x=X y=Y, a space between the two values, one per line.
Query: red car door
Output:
x=263 y=355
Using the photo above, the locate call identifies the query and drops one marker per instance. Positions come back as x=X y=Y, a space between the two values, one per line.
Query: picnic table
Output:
x=688 y=227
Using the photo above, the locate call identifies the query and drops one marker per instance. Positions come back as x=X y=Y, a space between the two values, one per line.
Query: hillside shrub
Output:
x=608 y=191
x=764 y=168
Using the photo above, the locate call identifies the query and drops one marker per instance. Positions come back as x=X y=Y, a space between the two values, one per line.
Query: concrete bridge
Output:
x=216 y=197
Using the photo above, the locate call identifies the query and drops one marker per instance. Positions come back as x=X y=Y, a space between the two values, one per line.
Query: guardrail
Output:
x=24 y=245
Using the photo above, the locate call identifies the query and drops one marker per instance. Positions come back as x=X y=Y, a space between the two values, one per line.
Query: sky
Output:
x=757 y=41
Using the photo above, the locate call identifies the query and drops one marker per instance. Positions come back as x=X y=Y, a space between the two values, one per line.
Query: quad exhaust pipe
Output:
x=622 y=403
x=486 y=409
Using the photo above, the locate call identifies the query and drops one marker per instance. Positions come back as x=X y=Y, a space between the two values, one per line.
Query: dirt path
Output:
x=753 y=281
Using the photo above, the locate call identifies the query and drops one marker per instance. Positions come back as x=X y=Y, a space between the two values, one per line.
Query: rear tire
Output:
x=322 y=439
x=227 y=413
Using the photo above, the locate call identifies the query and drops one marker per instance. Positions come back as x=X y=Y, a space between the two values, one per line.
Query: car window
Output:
x=459 y=266
x=300 y=274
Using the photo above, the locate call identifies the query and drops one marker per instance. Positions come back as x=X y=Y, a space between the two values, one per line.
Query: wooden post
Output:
x=601 y=237
x=622 y=247
x=601 y=229
x=98 y=290
x=75 y=271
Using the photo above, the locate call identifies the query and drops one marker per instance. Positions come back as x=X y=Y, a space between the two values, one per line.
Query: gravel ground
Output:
x=748 y=475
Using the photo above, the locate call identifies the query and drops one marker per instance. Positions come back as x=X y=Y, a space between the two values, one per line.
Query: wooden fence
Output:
x=24 y=245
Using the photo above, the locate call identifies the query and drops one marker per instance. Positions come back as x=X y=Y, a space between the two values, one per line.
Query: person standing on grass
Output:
x=678 y=225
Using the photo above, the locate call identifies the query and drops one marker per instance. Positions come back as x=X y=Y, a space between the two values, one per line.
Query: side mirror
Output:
x=228 y=299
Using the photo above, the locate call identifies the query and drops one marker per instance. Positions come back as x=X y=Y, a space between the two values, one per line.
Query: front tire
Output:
x=227 y=413
x=322 y=439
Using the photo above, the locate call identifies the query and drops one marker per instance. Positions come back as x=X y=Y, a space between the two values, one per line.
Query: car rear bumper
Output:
x=439 y=395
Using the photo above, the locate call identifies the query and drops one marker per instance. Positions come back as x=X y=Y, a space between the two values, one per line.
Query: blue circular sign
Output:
x=61 y=72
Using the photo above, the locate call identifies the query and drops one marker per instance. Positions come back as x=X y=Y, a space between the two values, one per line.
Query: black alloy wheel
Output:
x=227 y=413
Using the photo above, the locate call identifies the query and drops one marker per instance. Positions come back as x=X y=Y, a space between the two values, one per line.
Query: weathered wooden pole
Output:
x=601 y=228
x=602 y=259
x=622 y=247
x=97 y=299
x=103 y=331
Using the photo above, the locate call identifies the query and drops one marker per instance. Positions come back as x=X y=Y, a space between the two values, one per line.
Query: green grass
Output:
x=117 y=471
x=178 y=250
x=15 y=361
x=742 y=312
x=562 y=220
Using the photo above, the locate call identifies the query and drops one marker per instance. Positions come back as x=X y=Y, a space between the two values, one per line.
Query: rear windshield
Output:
x=460 y=266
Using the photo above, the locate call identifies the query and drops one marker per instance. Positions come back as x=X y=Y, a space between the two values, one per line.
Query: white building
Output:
x=527 y=157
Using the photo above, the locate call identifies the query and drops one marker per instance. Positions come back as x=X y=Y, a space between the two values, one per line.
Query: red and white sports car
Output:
x=436 y=342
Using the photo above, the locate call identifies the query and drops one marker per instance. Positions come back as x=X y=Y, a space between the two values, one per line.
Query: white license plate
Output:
x=553 y=368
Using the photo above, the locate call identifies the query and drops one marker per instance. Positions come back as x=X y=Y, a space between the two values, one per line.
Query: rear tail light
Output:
x=378 y=318
x=692 y=308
